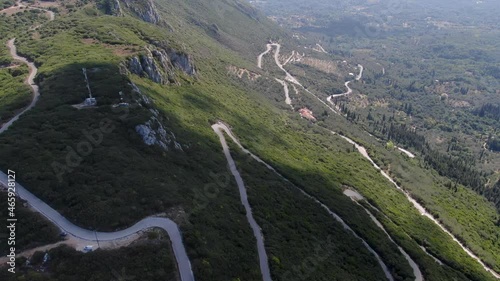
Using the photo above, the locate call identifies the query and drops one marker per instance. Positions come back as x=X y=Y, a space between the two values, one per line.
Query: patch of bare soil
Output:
x=119 y=50
x=240 y=72
x=326 y=66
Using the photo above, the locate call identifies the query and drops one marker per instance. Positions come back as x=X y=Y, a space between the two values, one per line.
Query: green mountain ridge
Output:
x=183 y=174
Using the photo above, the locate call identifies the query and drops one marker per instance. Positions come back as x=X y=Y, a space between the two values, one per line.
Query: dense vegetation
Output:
x=32 y=229
x=458 y=169
x=146 y=260
x=308 y=231
x=438 y=101
x=6 y=3
x=489 y=110
x=123 y=180
x=14 y=94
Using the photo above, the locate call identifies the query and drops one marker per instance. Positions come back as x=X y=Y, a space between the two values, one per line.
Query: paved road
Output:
x=168 y=225
x=261 y=249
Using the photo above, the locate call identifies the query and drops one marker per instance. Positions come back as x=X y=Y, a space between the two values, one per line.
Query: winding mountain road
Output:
x=220 y=127
x=349 y=90
x=261 y=249
x=288 y=101
x=419 y=207
x=355 y=197
x=259 y=58
x=288 y=76
x=360 y=75
x=183 y=263
x=365 y=154
x=65 y=225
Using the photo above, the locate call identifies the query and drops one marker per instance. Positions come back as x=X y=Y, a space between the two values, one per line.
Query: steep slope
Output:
x=160 y=82
x=159 y=154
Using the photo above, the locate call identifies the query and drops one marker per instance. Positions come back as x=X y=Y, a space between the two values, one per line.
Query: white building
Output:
x=90 y=102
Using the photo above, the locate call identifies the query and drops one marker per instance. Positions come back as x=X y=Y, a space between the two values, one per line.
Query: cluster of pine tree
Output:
x=459 y=169
x=494 y=144
x=489 y=110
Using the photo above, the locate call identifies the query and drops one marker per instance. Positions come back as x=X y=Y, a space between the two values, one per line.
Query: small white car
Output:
x=88 y=249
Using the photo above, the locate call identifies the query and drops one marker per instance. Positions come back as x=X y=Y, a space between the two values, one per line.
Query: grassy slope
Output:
x=217 y=236
x=470 y=217
x=285 y=214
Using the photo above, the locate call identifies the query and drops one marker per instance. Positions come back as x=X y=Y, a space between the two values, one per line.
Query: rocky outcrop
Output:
x=153 y=132
x=183 y=62
x=111 y=7
x=143 y=99
x=159 y=65
x=152 y=65
x=145 y=9
x=116 y=8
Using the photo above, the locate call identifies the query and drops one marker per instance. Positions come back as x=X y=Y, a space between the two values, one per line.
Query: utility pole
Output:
x=97 y=239
x=84 y=70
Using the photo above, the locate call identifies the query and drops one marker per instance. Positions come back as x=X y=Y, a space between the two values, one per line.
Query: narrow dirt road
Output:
x=261 y=249
x=65 y=225
x=355 y=197
x=349 y=90
x=409 y=154
x=288 y=101
x=17 y=5
x=419 y=207
x=30 y=80
x=259 y=58
x=288 y=76
x=365 y=154
x=219 y=127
